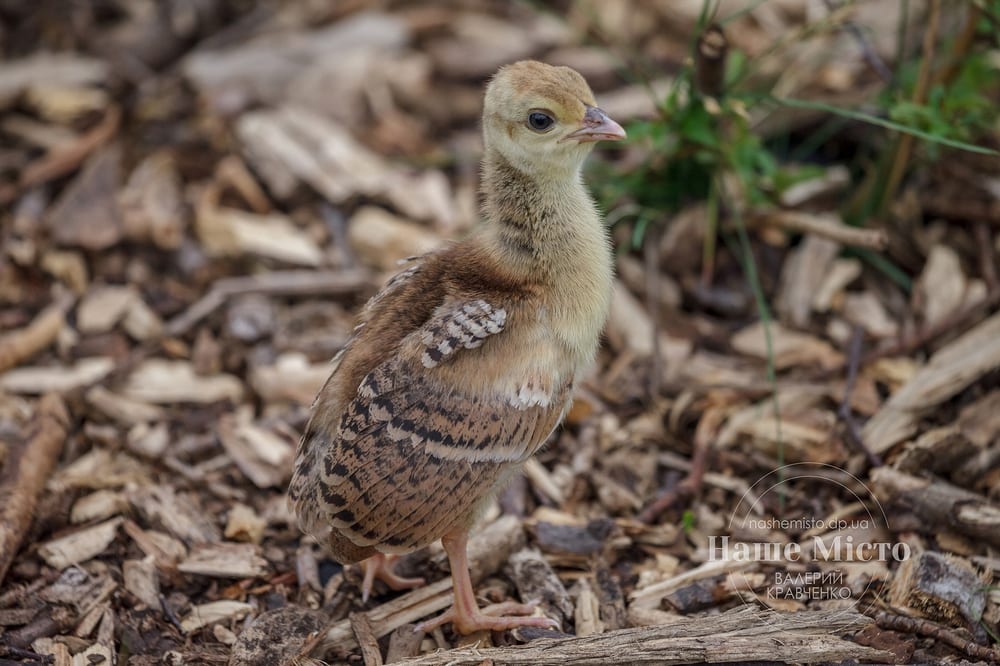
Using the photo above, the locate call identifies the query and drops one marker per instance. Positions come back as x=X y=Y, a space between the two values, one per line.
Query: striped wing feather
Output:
x=412 y=455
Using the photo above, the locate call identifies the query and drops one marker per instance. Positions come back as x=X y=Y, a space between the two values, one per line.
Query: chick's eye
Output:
x=539 y=121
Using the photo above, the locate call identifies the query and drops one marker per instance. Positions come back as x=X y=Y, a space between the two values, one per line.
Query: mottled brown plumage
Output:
x=465 y=362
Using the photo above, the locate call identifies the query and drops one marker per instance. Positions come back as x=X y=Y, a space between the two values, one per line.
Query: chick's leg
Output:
x=380 y=566
x=465 y=613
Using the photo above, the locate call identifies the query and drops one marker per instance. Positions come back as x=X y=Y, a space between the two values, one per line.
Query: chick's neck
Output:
x=544 y=225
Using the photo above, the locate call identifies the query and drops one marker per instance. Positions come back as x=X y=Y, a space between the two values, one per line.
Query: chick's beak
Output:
x=596 y=126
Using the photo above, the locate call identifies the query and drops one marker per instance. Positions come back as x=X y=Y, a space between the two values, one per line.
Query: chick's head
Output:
x=544 y=119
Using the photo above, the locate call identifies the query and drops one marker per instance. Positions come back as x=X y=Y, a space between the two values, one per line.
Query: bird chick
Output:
x=465 y=362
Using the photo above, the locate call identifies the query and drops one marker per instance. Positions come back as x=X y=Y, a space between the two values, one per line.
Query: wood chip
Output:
x=87 y=215
x=123 y=410
x=629 y=327
x=178 y=514
x=841 y=273
x=232 y=232
x=262 y=455
x=265 y=69
x=942 y=284
x=63 y=69
x=290 y=377
x=980 y=421
x=79 y=546
x=804 y=271
x=832 y=180
x=163 y=382
x=215 y=611
x=103 y=307
x=867 y=311
x=56 y=379
x=151 y=203
x=382 y=239
x=244 y=524
x=313 y=149
x=224 y=560
x=141 y=322
x=148 y=441
x=165 y=550
x=586 y=613
x=141 y=579
x=67 y=266
x=64 y=103
x=98 y=505
x=790 y=348
x=949 y=371
x=482 y=43
x=937 y=450
x=18 y=346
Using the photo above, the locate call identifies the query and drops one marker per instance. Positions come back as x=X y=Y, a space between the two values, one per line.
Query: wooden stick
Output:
x=25 y=473
x=284 y=283
x=826 y=226
x=738 y=636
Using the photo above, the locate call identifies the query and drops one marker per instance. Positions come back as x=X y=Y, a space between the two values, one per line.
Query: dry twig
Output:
x=844 y=412
x=366 y=639
x=922 y=627
x=25 y=473
x=64 y=160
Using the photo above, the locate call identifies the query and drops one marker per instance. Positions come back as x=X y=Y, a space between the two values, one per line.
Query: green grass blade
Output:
x=880 y=122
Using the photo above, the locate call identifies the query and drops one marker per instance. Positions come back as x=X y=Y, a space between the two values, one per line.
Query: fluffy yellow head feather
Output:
x=542 y=119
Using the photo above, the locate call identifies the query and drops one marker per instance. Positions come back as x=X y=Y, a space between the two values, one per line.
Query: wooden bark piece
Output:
x=276 y=637
x=941 y=588
x=939 y=504
x=535 y=579
x=937 y=450
x=738 y=636
x=403 y=644
x=25 y=472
